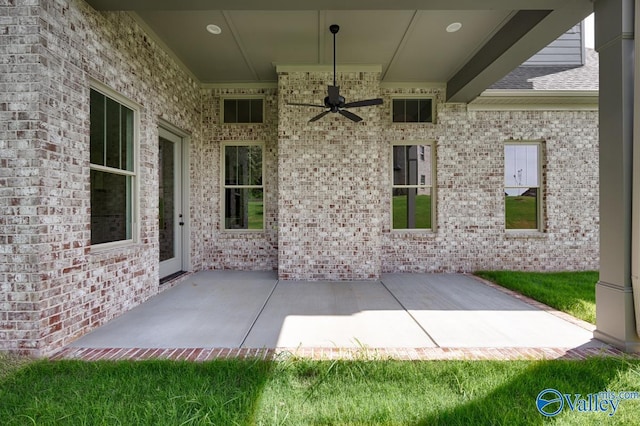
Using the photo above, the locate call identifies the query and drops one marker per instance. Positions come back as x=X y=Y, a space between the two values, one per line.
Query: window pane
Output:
x=97 y=124
x=230 y=115
x=111 y=209
x=255 y=165
x=243 y=165
x=256 y=111
x=406 y=165
x=244 y=208
x=412 y=108
x=244 y=110
x=398 y=110
x=411 y=208
x=521 y=166
x=521 y=211
x=230 y=165
x=126 y=148
x=425 y=111
x=113 y=134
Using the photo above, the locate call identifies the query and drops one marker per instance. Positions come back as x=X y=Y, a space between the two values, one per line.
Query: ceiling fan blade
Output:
x=350 y=115
x=334 y=94
x=367 y=102
x=319 y=116
x=310 y=105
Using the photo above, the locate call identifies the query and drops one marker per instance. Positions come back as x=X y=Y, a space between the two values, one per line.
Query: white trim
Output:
x=527 y=100
x=413 y=85
x=240 y=85
x=280 y=68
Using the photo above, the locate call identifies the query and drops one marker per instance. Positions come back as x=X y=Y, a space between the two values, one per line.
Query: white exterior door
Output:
x=171 y=219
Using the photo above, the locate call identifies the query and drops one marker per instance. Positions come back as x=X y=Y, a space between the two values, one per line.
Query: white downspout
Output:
x=635 y=210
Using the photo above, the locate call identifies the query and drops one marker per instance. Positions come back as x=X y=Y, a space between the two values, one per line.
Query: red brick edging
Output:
x=423 y=354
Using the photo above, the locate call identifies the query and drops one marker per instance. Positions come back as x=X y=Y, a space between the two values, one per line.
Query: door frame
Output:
x=165 y=127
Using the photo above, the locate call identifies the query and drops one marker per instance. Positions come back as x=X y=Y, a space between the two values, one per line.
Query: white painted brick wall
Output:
x=327 y=184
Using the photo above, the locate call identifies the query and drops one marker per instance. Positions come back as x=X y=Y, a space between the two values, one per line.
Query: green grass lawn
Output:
x=423 y=212
x=570 y=292
x=520 y=212
x=304 y=392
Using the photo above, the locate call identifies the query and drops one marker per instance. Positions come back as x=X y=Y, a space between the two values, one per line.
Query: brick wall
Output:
x=330 y=187
x=229 y=249
x=54 y=287
x=470 y=199
x=327 y=184
x=335 y=194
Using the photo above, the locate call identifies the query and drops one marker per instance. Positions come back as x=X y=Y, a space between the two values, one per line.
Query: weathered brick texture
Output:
x=54 y=286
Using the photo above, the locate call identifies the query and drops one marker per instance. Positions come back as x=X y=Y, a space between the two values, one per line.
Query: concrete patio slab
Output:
x=460 y=311
x=210 y=309
x=334 y=314
x=253 y=311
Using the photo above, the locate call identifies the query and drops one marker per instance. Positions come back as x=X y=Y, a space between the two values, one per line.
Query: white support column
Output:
x=635 y=212
x=615 y=313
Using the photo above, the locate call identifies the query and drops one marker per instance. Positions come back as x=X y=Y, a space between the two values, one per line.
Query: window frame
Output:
x=539 y=144
x=239 y=98
x=133 y=199
x=416 y=96
x=224 y=187
x=434 y=205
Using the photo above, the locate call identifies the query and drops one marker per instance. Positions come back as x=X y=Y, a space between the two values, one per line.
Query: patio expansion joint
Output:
x=255 y=320
x=410 y=315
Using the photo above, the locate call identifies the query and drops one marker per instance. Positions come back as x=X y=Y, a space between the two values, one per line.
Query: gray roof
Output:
x=583 y=77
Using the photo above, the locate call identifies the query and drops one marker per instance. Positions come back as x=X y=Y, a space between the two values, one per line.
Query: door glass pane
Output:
x=167 y=200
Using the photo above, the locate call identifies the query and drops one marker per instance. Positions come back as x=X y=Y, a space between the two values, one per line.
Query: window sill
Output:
x=105 y=247
x=522 y=233
x=243 y=232
x=401 y=232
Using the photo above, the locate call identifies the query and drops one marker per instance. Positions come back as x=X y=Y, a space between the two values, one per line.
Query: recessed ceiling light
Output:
x=214 y=29
x=453 y=27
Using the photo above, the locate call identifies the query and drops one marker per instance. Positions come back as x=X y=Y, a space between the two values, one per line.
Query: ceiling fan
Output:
x=333 y=100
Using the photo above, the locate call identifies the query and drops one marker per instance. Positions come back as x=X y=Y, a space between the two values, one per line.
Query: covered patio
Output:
x=221 y=313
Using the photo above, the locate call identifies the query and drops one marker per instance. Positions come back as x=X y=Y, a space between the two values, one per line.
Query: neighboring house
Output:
x=120 y=169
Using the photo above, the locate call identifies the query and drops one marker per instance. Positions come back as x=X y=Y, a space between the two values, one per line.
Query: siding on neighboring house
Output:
x=566 y=50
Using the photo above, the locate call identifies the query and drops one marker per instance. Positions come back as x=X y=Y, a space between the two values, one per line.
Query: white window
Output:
x=522 y=185
x=243 y=190
x=412 y=192
x=242 y=110
x=412 y=110
x=112 y=168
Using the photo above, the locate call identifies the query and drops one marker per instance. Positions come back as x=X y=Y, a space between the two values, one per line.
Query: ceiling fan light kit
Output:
x=333 y=101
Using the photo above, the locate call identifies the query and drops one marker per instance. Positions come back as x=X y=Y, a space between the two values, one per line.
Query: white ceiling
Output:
x=408 y=38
